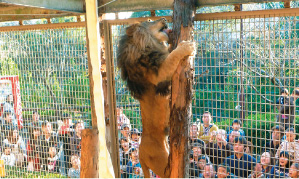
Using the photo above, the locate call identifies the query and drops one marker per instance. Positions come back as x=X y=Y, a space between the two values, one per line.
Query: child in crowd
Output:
x=74 y=172
x=290 y=145
x=125 y=146
x=257 y=172
x=266 y=162
x=209 y=171
x=236 y=126
x=294 y=170
x=134 y=166
x=20 y=157
x=282 y=169
x=33 y=149
x=224 y=172
x=8 y=156
x=125 y=131
x=202 y=161
x=135 y=136
x=53 y=160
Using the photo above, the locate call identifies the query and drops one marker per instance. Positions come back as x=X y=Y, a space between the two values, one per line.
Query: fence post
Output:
x=182 y=80
x=95 y=158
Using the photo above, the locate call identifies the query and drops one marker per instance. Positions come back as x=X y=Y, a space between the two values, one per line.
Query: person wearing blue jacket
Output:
x=241 y=164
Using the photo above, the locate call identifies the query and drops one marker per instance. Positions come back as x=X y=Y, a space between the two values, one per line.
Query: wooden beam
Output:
x=148 y=5
x=111 y=100
x=16 y=13
x=101 y=162
x=43 y=26
x=61 y=5
x=248 y=14
x=181 y=94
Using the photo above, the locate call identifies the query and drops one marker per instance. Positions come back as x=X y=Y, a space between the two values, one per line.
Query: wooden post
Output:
x=183 y=15
x=95 y=158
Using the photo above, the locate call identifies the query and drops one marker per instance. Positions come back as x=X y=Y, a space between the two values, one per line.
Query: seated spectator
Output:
x=8 y=106
x=15 y=141
x=198 y=150
x=294 y=170
x=193 y=133
x=202 y=161
x=76 y=139
x=36 y=122
x=232 y=136
x=257 y=172
x=224 y=172
x=267 y=163
x=53 y=163
x=206 y=129
x=193 y=136
x=20 y=158
x=135 y=138
x=241 y=164
x=219 y=151
x=125 y=131
x=65 y=133
x=236 y=126
x=134 y=167
x=287 y=111
x=209 y=171
x=8 y=156
x=34 y=150
x=74 y=171
x=273 y=145
x=7 y=123
x=48 y=139
x=289 y=145
x=282 y=169
x=124 y=149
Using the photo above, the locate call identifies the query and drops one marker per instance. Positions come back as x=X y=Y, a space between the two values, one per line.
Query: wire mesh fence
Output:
x=45 y=101
x=244 y=100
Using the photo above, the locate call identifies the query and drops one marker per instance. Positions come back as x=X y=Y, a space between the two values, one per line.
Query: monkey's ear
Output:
x=131 y=29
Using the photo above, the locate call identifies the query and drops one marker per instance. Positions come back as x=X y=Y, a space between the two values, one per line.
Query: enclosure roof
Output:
x=14 y=10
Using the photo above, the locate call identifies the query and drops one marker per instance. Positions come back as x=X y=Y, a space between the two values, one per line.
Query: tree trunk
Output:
x=181 y=91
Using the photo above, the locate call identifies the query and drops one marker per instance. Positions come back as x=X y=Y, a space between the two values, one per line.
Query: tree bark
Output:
x=181 y=91
x=90 y=150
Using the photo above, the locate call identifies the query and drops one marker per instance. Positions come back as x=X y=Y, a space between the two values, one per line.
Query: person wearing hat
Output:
x=241 y=164
x=220 y=150
x=135 y=138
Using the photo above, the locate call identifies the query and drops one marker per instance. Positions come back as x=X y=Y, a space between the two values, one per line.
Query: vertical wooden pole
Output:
x=111 y=100
x=182 y=80
x=95 y=158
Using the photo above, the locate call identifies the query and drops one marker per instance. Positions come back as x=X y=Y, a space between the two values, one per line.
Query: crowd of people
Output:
x=219 y=153
x=36 y=146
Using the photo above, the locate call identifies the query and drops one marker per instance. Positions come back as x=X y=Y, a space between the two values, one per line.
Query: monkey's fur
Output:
x=147 y=67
